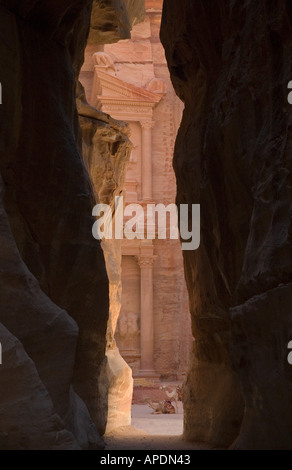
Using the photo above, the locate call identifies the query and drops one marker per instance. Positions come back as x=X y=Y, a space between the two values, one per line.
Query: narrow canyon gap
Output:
x=130 y=81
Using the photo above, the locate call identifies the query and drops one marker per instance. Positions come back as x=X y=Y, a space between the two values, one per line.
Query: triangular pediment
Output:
x=111 y=87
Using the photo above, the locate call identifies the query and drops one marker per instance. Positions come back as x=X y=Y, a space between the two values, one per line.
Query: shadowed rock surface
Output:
x=54 y=296
x=27 y=397
x=112 y=20
x=230 y=62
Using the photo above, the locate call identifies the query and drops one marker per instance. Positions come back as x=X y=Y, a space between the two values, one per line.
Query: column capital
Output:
x=145 y=261
x=149 y=124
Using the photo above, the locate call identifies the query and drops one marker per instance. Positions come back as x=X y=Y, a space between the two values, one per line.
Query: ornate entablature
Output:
x=120 y=99
x=126 y=110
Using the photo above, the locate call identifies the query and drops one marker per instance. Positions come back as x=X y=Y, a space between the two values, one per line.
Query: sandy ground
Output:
x=150 y=432
x=142 y=418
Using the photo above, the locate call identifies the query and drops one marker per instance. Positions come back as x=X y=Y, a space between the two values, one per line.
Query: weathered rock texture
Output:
x=28 y=397
x=54 y=298
x=112 y=20
x=230 y=62
x=106 y=150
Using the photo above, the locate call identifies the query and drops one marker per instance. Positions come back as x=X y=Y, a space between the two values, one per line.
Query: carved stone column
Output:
x=146 y=312
x=147 y=127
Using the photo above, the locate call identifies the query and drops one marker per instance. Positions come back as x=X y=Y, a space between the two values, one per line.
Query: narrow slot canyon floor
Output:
x=151 y=432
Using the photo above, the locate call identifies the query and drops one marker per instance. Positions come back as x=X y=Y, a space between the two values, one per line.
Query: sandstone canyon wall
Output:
x=230 y=62
x=106 y=150
x=54 y=299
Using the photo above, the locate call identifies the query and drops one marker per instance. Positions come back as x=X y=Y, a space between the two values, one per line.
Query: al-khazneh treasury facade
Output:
x=130 y=81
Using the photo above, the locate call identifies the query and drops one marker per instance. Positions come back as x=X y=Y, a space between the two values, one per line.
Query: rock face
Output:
x=230 y=62
x=106 y=150
x=28 y=397
x=112 y=20
x=54 y=296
